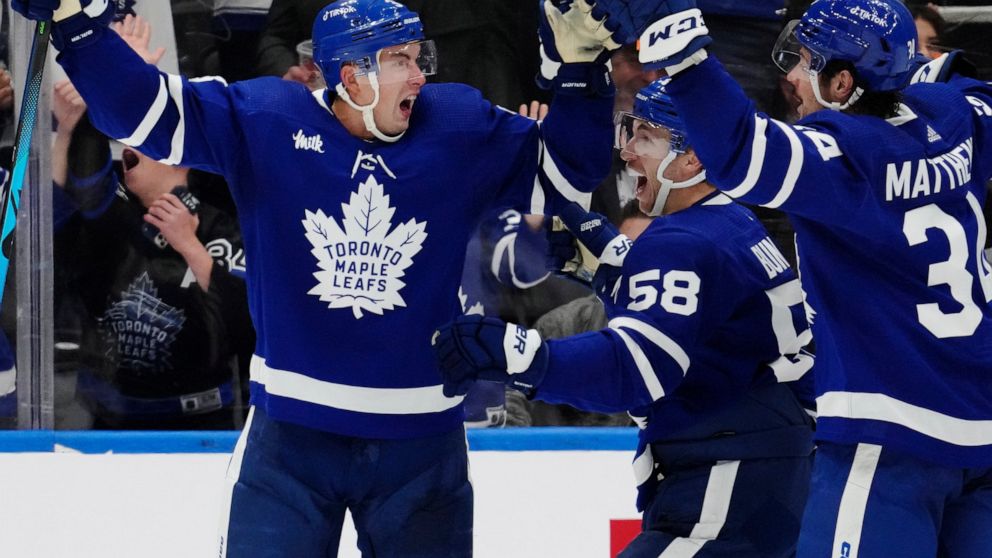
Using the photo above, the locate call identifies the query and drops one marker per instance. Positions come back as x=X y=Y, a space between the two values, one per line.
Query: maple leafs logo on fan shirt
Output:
x=362 y=261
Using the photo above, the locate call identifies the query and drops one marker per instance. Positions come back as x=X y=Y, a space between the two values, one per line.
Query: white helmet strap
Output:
x=814 y=79
x=667 y=185
x=367 y=116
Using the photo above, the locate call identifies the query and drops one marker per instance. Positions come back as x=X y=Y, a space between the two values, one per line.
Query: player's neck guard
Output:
x=367 y=116
x=667 y=185
x=814 y=80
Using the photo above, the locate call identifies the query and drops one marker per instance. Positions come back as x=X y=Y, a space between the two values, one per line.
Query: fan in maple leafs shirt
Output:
x=162 y=351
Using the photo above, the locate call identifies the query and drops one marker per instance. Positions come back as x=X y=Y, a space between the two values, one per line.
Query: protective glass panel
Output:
x=145 y=337
x=641 y=138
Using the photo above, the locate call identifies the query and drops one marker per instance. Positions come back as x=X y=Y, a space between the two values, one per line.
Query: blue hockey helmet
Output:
x=654 y=130
x=877 y=36
x=653 y=110
x=354 y=31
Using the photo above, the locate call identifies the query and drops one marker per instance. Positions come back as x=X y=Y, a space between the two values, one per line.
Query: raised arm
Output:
x=166 y=116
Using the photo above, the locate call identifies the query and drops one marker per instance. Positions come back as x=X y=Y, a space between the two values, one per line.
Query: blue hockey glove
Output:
x=40 y=10
x=597 y=234
x=575 y=47
x=942 y=69
x=475 y=348
x=669 y=31
x=77 y=22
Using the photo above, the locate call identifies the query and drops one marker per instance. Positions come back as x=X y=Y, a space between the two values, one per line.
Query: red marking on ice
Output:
x=622 y=531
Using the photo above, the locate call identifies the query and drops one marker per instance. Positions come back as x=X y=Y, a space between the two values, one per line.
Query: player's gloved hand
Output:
x=597 y=234
x=40 y=10
x=575 y=47
x=564 y=257
x=670 y=32
x=942 y=68
x=475 y=348
x=77 y=22
x=605 y=248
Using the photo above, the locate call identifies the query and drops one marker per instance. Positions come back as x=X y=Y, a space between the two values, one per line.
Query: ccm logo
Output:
x=687 y=24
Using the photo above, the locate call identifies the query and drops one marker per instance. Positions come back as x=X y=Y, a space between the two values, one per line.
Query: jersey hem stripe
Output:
x=380 y=401
x=877 y=406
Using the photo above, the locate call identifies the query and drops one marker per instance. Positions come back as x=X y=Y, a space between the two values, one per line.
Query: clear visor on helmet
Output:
x=400 y=62
x=789 y=52
x=641 y=138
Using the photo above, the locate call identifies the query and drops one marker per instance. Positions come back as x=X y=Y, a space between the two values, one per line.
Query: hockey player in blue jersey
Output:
x=356 y=204
x=884 y=184
x=706 y=320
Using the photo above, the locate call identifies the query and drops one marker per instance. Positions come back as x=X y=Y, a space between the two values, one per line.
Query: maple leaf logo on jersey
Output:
x=362 y=262
x=142 y=327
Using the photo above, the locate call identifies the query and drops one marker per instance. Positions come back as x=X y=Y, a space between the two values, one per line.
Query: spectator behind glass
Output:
x=488 y=44
x=929 y=29
x=165 y=300
x=579 y=316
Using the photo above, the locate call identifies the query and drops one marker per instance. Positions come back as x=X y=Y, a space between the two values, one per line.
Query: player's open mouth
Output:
x=642 y=183
x=129 y=159
x=406 y=105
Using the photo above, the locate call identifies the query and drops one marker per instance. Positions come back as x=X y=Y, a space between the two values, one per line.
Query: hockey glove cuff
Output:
x=575 y=48
x=473 y=348
x=597 y=234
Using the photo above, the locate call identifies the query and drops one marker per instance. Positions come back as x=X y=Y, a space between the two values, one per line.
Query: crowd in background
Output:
x=152 y=326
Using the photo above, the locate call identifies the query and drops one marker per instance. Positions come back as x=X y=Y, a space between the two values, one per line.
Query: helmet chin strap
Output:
x=667 y=185
x=814 y=79
x=366 y=110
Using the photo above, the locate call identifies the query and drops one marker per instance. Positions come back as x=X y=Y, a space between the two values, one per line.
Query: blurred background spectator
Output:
x=155 y=278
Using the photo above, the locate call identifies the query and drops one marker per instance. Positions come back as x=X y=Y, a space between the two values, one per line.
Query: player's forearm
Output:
x=720 y=120
x=589 y=373
x=578 y=136
x=119 y=88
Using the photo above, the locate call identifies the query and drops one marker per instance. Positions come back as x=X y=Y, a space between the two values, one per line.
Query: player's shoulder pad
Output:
x=668 y=242
x=452 y=107
x=272 y=95
x=944 y=107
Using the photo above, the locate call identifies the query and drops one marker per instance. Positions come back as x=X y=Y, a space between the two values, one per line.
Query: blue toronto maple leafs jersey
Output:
x=705 y=313
x=354 y=249
x=890 y=236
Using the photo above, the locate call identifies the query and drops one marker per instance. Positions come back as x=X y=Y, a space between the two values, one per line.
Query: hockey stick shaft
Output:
x=10 y=192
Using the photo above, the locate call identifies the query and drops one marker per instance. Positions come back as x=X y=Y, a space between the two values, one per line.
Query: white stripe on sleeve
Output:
x=560 y=183
x=757 y=159
x=653 y=334
x=795 y=165
x=643 y=366
x=151 y=117
x=176 y=92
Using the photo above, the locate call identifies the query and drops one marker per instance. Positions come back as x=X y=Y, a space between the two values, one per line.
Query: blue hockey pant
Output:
x=740 y=509
x=868 y=501
x=289 y=486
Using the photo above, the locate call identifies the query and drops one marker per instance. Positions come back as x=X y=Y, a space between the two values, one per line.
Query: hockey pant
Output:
x=740 y=509
x=289 y=486
x=869 y=501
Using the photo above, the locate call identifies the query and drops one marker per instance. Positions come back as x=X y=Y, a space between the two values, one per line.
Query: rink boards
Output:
x=539 y=492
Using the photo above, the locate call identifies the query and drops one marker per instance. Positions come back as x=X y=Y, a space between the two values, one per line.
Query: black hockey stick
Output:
x=10 y=191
